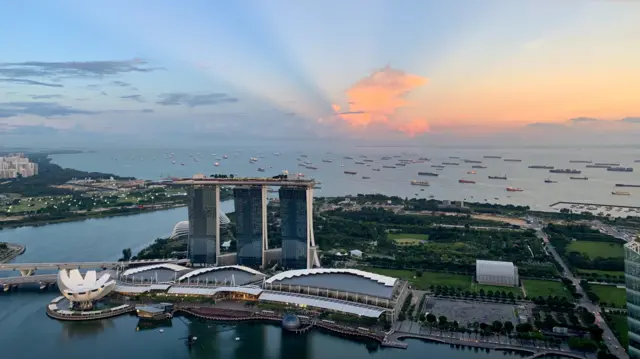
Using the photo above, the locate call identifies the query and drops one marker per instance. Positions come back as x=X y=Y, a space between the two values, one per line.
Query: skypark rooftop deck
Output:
x=244 y=182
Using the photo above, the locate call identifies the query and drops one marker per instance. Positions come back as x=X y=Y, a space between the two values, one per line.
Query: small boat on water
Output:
x=350 y=172
x=513 y=189
x=498 y=177
x=579 y=178
x=471 y=172
x=466 y=181
x=366 y=177
x=261 y=169
x=217 y=164
x=548 y=180
x=420 y=183
x=621 y=193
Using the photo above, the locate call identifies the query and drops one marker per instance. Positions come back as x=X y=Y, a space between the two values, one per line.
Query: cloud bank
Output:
x=380 y=99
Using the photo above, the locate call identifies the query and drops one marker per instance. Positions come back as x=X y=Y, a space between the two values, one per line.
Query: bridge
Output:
x=555 y=352
x=27 y=269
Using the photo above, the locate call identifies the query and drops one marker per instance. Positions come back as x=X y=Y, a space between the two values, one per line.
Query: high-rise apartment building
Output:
x=632 y=280
x=204 y=224
x=295 y=226
x=17 y=165
x=251 y=224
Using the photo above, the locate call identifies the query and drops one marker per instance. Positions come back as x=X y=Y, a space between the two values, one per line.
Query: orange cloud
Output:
x=380 y=98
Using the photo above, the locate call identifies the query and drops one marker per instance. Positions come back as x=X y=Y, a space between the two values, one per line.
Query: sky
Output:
x=455 y=71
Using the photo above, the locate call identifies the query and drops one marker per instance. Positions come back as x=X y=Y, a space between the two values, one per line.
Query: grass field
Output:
x=619 y=323
x=408 y=238
x=597 y=249
x=611 y=294
x=602 y=272
x=545 y=288
x=427 y=279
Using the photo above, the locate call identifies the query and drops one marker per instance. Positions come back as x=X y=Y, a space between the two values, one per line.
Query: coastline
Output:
x=15 y=250
x=93 y=215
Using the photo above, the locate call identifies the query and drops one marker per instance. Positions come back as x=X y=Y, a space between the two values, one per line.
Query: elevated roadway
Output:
x=27 y=269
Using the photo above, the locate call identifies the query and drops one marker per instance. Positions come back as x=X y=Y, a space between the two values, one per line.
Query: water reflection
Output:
x=82 y=330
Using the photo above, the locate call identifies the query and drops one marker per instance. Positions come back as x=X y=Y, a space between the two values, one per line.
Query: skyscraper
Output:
x=296 y=227
x=204 y=224
x=251 y=224
x=632 y=279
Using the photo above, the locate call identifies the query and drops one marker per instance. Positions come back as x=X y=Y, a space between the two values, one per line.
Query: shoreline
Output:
x=15 y=250
x=96 y=215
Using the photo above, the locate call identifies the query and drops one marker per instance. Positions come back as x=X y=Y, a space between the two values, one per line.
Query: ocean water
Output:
x=155 y=164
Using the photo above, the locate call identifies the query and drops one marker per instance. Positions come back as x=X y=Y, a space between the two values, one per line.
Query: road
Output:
x=609 y=338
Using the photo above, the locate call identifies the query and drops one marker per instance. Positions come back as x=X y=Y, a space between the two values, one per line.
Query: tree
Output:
x=418 y=273
x=126 y=254
x=496 y=326
x=508 y=327
x=442 y=320
x=455 y=325
x=431 y=318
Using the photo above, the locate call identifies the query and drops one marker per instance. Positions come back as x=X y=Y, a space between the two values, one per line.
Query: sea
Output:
x=27 y=333
x=154 y=164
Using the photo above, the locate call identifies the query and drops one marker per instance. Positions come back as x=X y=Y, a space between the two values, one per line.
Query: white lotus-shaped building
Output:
x=83 y=291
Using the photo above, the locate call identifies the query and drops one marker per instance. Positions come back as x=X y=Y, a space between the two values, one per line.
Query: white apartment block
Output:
x=17 y=164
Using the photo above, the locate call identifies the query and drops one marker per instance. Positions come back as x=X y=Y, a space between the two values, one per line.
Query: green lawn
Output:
x=611 y=294
x=421 y=237
x=545 y=288
x=427 y=279
x=597 y=249
x=602 y=272
x=620 y=325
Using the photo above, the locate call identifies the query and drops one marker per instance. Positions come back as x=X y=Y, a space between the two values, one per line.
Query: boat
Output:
x=465 y=181
x=550 y=181
x=512 y=160
x=427 y=159
x=376 y=169
x=359 y=163
x=217 y=164
x=401 y=164
x=427 y=174
x=579 y=178
x=367 y=160
x=620 y=169
x=607 y=164
x=579 y=161
x=437 y=166
x=620 y=193
x=327 y=161
x=350 y=172
x=312 y=167
x=498 y=177
x=627 y=185
x=419 y=183
x=347 y=157
x=366 y=177
x=385 y=158
x=237 y=338
x=454 y=157
x=513 y=189
x=471 y=172
x=543 y=167
x=388 y=166
x=472 y=161
x=498 y=157
x=225 y=157
x=478 y=166
x=597 y=166
x=450 y=163
x=261 y=169
x=565 y=170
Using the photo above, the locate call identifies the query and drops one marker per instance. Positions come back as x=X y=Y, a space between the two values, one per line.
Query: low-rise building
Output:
x=497 y=273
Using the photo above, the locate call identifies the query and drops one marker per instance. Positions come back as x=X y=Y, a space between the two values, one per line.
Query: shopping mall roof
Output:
x=207 y=291
x=168 y=266
x=324 y=303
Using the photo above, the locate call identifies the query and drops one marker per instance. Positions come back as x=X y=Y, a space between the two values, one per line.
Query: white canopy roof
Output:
x=211 y=269
x=382 y=279
x=325 y=303
x=169 y=266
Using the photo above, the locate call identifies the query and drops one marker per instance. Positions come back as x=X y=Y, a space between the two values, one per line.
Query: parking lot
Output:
x=467 y=312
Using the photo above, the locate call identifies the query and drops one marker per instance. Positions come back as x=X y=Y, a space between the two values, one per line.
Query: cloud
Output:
x=380 y=99
x=121 y=83
x=147 y=110
x=635 y=120
x=45 y=97
x=581 y=120
x=41 y=109
x=74 y=68
x=194 y=100
x=545 y=125
x=29 y=82
x=137 y=98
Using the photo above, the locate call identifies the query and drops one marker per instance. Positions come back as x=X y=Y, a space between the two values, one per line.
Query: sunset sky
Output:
x=362 y=69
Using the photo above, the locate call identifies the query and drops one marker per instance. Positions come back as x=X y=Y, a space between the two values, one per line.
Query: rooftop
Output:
x=244 y=181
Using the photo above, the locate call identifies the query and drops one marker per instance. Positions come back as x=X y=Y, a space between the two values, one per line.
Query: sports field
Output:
x=597 y=249
x=545 y=288
x=611 y=295
x=408 y=238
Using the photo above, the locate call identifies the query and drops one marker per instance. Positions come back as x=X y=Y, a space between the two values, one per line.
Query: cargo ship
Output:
x=620 y=193
x=512 y=160
x=388 y=166
x=597 y=166
x=359 y=163
x=401 y=164
x=367 y=160
x=565 y=170
x=419 y=183
x=627 y=185
x=513 y=189
x=579 y=178
x=465 y=181
x=312 y=167
x=579 y=161
x=347 y=157
x=376 y=169
x=427 y=159
x=385 y=158
x=620 y=169
x=261 y=169
x=542 y=167
x=550 y=181
x=607 y=164
x=450 y=163
x=498 y=157
x=498 y=177
x=366 y=177
x=472 y=161
x=350 y=172
x=454 y=157
x=427 y=174
x=478 y=166
x=327 y=161
x=437 y=166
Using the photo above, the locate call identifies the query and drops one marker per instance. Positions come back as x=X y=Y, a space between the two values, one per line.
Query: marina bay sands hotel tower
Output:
x=250 y=198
